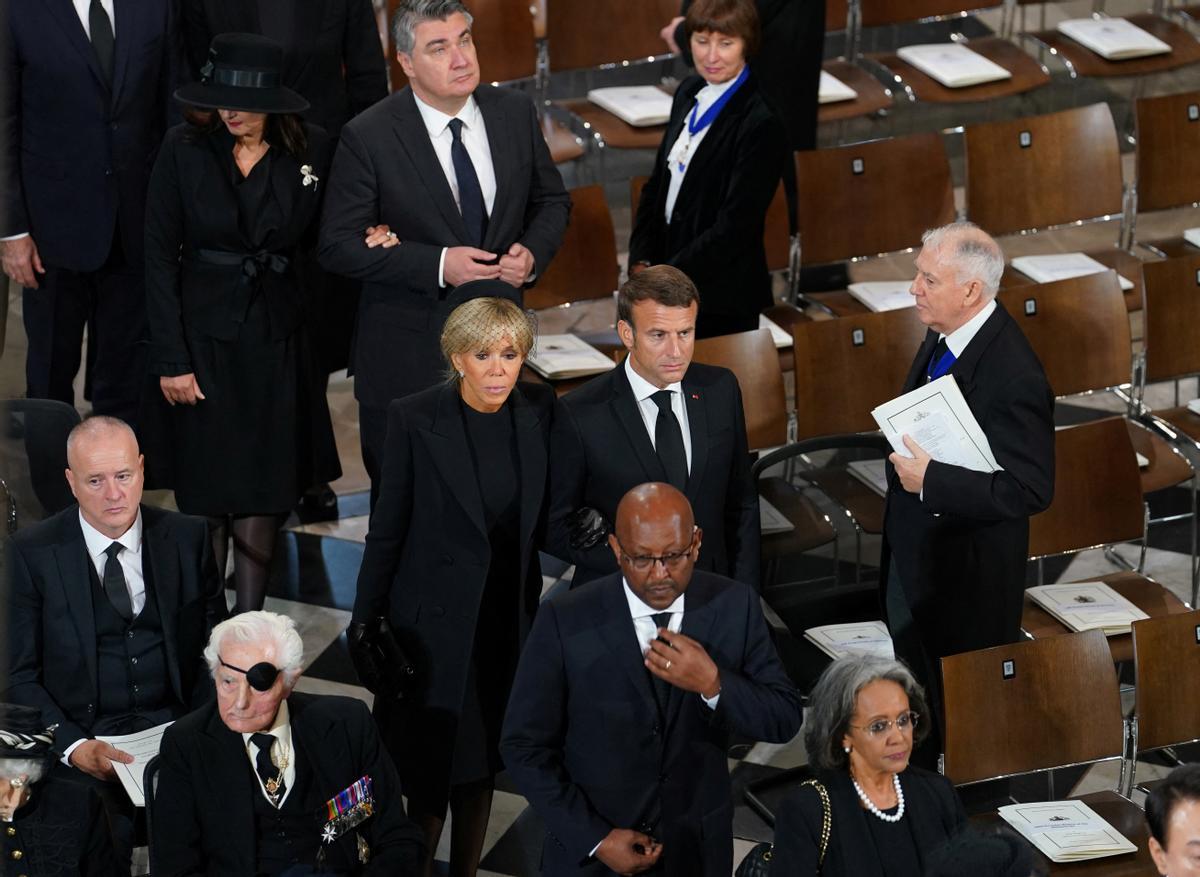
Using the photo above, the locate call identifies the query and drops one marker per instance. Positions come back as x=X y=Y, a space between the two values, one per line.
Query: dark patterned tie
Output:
x=662 y=688
x=114 y=582
x=668 y=441
x=470 y=193
x=103 y=42
x=272 y=777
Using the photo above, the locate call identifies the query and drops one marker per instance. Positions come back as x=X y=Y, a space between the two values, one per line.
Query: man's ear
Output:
x=625 y=330
x=615 y=546
x=1159 y=855
x=405 y=63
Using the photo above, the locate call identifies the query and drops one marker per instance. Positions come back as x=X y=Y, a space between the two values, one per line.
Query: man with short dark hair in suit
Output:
x=657 y=417
x=109 y=605
x=86 y=89
x=461 y=176
x=625 y=697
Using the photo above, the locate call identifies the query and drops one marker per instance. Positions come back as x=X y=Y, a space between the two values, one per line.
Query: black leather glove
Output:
x=378 y=659
x=588 y=529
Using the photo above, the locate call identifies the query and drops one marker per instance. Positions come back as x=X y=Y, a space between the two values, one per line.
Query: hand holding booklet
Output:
x=1066 y=831
x=143 y=746
x=937 y=418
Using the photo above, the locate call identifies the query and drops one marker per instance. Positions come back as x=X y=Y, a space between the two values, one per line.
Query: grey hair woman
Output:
x=870 y=811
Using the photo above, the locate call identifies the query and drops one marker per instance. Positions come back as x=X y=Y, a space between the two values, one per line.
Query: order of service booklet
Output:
x=937 y=418
x=1066 y=831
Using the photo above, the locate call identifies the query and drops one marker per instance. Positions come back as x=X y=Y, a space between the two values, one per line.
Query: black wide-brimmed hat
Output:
x=22 y=734
x=243 y=72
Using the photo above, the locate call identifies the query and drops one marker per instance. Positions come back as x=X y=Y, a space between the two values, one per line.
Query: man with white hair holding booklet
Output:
x=956 y=538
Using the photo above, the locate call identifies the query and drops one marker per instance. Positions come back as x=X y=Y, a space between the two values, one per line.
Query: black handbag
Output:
x=758 y=861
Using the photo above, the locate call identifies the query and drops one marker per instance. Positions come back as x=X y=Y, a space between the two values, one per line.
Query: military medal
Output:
x=348 y=808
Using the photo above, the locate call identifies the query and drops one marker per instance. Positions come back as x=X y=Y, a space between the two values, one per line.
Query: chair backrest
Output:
x=871 y=198
x=600 y=32
x=1031 y=706
x=880 y=12
x=1097 y=491
x=1041 y=171
x=33 y=456
x=1166 y=665
x=586 y=265
x=150 y=789
x=1168 y=150
x=1079 y=329
x=837 y=13
x=846 y=367
x=1171 y=333
x=752 y=357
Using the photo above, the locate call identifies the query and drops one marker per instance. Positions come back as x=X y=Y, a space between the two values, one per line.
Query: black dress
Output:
x=60 y=832
x=895 y=846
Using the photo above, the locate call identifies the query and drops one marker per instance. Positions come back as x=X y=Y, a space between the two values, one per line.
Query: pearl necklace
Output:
x=862 y=796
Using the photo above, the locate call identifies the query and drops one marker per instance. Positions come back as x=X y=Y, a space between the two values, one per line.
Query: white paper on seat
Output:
x=1192 y=236
x=832 y=90
x=780 y=337
x=871 y=473
x=883 y=295
x=937 y=418
x=1087 y=606
x=858 y=638
x=143 y=746
x=771 y=519
x=1116 y=39
x=953 y=64
x=1066 y=831
x=1143 y=460
x=567 y=356
x=1061 y=266
x=639 y=105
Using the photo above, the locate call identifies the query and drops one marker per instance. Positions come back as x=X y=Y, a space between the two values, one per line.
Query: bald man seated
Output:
x=625 y=698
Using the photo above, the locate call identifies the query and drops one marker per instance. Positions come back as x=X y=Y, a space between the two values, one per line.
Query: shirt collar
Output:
x=707 y=95
x=281 y=728
x=642 y=388
x=97 y=543
x=436 y=121
x=958 y=340
x=638 y=609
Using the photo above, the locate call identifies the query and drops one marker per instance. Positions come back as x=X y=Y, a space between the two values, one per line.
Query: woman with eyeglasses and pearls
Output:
x=883 y=817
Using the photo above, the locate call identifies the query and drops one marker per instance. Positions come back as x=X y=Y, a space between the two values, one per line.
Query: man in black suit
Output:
x=657 y=417
x=84 y=103
x=955 y=540
x=462 y=177
x=625 y=698
x=268 y=781
x=109 y=606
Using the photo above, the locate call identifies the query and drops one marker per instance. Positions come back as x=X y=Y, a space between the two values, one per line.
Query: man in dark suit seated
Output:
x=266 y=781
x=109 y=605
x=462 y=177
x=657 y=417
x=625 y=698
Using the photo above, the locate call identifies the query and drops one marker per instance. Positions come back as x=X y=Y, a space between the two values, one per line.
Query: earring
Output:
x=461 y=373
x=846 y=749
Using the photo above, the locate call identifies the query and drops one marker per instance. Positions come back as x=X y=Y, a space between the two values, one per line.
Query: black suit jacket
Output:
x=76 y=156
x=585 y=743
x=52 y=658
x=961 y=553
x=203 y=809
x=715 y=236
x=931 y=807
x=600 y=449
x=385 y=170
x=428 y=556
x=332 y=57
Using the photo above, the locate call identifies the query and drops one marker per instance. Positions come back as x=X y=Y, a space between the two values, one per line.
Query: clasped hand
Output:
x=628 y=852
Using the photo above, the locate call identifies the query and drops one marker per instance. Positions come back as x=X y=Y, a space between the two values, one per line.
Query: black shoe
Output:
x=318 y=504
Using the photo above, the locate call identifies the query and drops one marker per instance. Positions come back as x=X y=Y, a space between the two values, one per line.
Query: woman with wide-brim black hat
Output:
x=232 y=202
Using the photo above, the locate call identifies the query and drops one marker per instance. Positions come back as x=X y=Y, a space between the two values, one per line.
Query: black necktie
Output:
x=939 y=350
x=114 y=582
x=101 y=30
x=470 y=193
x=272 y=777
x=662 y=688
x=668 y=441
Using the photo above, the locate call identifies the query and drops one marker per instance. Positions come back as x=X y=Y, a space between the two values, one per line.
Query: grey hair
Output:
x=95 y=425
x=32 y=768
x=834 y=698
x=283 y=643
x=975 y=255
x=410 y=13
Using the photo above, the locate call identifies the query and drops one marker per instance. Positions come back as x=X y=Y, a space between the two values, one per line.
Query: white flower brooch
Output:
x=309 y=178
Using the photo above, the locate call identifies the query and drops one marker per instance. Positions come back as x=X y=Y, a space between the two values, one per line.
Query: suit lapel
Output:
x=414 y=138
x=964 y=367
x=447 y=443
x=616 y=627
x=128 y=17
x=309 y=739
x=229 y=770
x=531 y=452
x=504 y=164
x=625 y=406
x=160 y=554
x=70 y=553
x=698 y=618
x=697 y=411
x=64 y=11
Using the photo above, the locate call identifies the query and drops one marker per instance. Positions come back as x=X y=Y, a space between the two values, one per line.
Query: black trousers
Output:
x=910 y=649
x=110 y=303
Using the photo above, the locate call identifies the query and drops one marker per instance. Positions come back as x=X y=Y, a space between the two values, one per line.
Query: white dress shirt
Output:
x=282 y=751
x=643 y=390
x=687 y=143
x=475 y=138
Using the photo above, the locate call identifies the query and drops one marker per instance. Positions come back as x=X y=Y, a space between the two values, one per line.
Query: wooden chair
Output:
x=1027 y=74
x=1045 y=171
x=586 y=265
x=1091 y=509
x=1036 y=706
x=1166 y=665
x=1168 y=162
x=872 y=95
x=867 y=199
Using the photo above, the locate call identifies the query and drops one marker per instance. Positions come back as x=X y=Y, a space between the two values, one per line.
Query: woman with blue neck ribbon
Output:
x=716 y=171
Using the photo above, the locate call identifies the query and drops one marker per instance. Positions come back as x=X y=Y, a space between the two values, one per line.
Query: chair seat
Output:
x=615 y=133
x=863 y=504
x=1173 y=248
x=1184 y=50
x=1119 y=812
x=1144 y=593
x=839 y=303
x=564 y=144
x=873 y=96
x=1027 y=74
x=1182 y=419
x=1167 y=467
x=812 y=529
x=785 y=316
x=1124 y=263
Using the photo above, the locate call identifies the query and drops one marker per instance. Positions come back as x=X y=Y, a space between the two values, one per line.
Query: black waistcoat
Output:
x=290 y=835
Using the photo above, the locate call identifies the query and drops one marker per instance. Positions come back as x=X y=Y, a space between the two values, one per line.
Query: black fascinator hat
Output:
x=243 y=72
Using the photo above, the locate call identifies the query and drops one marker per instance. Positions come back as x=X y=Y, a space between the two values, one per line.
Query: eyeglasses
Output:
x=645 y=562
x=905 y=722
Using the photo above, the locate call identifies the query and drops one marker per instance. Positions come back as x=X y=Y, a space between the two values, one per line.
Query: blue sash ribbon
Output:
x=695 y=126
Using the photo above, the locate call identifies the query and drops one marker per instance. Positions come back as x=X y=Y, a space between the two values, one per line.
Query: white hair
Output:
x=274 y=632
x=32 y=768
x=972 y=251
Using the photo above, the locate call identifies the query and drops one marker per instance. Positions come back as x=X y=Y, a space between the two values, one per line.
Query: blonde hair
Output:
x=480 y=324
